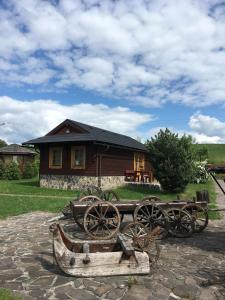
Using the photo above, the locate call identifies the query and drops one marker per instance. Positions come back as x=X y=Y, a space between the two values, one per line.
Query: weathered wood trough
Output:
x=98 y=258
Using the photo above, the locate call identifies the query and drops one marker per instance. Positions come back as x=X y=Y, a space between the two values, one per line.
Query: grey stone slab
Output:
x=208 y=294
x=26 y=258
x=186 y=291
x=137 y=292
x=102 y=289
x=115 y=293
x=71 y=291
x=5 y=276
x=44 y=281
x=13 y=286
x=60 y=280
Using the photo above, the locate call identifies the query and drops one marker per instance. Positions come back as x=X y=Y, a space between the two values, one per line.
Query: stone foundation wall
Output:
x=72 y=182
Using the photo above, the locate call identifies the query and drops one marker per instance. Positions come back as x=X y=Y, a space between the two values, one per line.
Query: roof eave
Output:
x=17 y=153
x=36 y=142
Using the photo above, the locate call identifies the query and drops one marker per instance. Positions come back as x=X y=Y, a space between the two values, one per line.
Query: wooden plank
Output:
x=129 y=206
x=102 y=264
x=126 y=245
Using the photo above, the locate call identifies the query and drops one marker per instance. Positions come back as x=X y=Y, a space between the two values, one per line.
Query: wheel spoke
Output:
x=129 y=235
x=141 y=209
x=94 y=226
x=101 y=212
x=152 y=209
x=113 y=225
x=106 y=228
x=107 y=208
x=93 y=216
x=97 y=212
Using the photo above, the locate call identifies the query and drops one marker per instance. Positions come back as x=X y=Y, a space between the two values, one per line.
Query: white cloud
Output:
x=29 y=119
x=205 y=139
x=145 y=52
x=203 y=128
x=207 y=129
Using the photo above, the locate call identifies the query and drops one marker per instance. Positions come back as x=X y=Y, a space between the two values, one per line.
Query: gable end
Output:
x=66 y=127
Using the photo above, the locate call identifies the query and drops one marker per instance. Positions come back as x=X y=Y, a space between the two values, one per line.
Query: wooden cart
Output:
x=102 y=219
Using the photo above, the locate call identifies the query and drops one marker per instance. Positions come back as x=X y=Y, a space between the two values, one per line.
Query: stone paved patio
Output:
x=192 y=268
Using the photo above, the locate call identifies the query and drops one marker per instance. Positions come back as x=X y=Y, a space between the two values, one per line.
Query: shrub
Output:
x=30 y=171
x=12 y=171
x=2 y=170
x=172 y=160
x=200 y=174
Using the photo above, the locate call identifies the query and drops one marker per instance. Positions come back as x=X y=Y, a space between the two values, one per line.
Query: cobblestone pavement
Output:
x=192 y=268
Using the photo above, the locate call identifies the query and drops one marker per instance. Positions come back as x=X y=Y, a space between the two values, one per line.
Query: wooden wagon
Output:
x=102 y=219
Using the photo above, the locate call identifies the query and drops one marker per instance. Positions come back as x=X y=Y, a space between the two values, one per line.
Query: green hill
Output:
x=216 y=152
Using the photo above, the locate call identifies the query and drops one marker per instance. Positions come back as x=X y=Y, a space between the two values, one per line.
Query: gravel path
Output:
x=192 y=268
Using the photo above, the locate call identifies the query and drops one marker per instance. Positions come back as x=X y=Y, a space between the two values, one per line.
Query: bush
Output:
x=172 y=160
x=12 y=171
x=30 y=171
x=2 y=170
x=200 y=174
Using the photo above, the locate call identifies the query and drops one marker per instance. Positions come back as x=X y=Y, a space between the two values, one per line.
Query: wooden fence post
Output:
x=202 y=196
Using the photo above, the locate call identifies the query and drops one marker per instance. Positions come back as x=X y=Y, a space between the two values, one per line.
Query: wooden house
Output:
x=20 y=155
x=75 y=154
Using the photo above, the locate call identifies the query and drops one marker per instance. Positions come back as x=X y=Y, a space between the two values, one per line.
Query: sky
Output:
x=133 y=67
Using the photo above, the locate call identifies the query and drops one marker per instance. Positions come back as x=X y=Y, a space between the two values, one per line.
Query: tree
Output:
x=172 y=160
x=2 y=143
x=202 y=153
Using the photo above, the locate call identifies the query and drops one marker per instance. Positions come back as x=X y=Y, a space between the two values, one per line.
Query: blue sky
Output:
x=128 y=66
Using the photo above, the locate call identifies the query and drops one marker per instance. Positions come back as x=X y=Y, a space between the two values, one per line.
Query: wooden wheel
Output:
x=180 y=223
x=143 y=240
x=134 y=230
x=67 y=212
x=151 y=198
x=102 y=220
x=199 y=216
x=90 y=190
x=94 y=190
x=79 y=218
x=89 y=199
x=151 y=216
x=110 y=196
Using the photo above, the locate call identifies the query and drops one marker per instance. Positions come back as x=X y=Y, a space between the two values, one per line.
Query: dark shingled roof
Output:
x=16 y=149
x=91 y=133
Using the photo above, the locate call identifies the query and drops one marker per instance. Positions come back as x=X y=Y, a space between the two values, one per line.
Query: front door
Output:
x=139 y=161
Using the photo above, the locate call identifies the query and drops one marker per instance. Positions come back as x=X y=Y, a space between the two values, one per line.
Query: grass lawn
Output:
x=6 y=294
x=31 y=187
x=19 y=204
x=10 y=206
x=14 y=205
x=216 y=152
x=188 y=194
